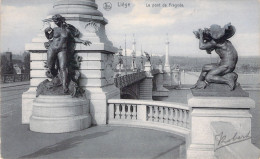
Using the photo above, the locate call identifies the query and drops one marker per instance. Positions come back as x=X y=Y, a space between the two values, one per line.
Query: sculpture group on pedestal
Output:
x=216 y=38
x=62 y=61
x=148 y=58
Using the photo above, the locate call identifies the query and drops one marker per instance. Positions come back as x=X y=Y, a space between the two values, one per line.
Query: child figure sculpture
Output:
x=215 y=38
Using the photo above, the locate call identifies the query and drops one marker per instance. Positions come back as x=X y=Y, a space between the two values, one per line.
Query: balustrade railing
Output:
x=9 y=78
x=156 y=112
x=126 y=80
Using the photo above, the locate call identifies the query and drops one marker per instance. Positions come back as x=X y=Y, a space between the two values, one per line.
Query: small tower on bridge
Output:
x=167 y=67
x=133 y=67
x=167 y=78
x=142 y=59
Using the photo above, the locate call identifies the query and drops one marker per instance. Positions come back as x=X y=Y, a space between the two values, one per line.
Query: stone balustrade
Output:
x=126 y=80
x=154 y=114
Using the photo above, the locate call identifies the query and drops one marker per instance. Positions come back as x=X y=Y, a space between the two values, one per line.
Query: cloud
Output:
x=151 y=27
x=22 y=21
x=20 y=24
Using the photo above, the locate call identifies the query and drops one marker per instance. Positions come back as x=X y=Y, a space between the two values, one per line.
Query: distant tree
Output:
x=26 y=61
x=6 y=66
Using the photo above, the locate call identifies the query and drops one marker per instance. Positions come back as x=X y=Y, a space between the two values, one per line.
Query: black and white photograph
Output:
x=130 y=79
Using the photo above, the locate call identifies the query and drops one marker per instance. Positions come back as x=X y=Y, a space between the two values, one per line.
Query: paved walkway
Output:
x=96 y=142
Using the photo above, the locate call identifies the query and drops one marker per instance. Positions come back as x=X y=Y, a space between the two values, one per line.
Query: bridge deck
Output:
x=96 y=142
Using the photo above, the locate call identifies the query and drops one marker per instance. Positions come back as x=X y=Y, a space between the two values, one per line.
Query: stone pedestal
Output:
x=146 y=88
x=160 y=91
x=27 y=104
x=207 y=111
x=59 y=114
x=148 y=68
x=167 y=78
x=146 y=85
x=176 y=78
x=120 y=68
x=96 y=66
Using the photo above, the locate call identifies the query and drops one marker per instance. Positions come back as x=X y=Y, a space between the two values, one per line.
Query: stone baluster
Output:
x=184 y=118
x=175 y=117
x=171 y=116
x=166 y=115
x=156 y=115
x=123 y=112
x=134 y=112
x=131 y=111
x=180 y=119
x=128 y=113
x=150 y=115
x=161 y=113
x=117 y=111
x=188 y=119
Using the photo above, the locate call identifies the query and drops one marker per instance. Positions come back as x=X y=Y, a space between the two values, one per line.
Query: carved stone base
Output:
x=220 y=90
x=59 y=114
x=209 y=111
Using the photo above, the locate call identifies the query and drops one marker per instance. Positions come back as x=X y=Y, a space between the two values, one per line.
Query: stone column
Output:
x=176 y=78
x=167 y=67
x=133 y=66
x=96 y=66
x=212 y=117
x=167 y=77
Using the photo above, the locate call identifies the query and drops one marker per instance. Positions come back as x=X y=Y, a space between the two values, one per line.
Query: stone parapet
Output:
x=208 y=110
x=166 y=116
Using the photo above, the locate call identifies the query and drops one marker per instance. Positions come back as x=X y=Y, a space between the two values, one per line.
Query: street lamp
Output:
x=120 y=60
x=133 y=62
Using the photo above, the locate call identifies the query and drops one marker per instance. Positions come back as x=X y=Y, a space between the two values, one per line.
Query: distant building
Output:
x=6 y=63
x=8 y=56
x=17 y=69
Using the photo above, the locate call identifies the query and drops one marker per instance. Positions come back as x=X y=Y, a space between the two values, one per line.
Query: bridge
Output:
x=141 y=85
x=110 y=101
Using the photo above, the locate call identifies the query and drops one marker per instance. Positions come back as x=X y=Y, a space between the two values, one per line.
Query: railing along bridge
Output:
x=147 y=113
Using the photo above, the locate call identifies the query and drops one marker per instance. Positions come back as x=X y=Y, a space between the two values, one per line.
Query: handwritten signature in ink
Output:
x=222 y=140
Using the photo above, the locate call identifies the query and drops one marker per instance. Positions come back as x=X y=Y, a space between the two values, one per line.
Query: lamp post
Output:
x=125 y=57
x=120 y=60
x=133 y=62
x=142 y=57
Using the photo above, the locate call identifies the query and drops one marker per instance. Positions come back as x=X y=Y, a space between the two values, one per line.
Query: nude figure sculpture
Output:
x=61 y=47
x=63 y=63
x=215 y=38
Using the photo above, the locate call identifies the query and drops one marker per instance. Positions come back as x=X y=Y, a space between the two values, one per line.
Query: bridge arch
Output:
x=130 y=92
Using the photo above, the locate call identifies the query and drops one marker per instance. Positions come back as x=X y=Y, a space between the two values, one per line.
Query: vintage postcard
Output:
x=153 y=79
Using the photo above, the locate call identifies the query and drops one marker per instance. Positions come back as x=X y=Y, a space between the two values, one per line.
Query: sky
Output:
x=21 y=20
